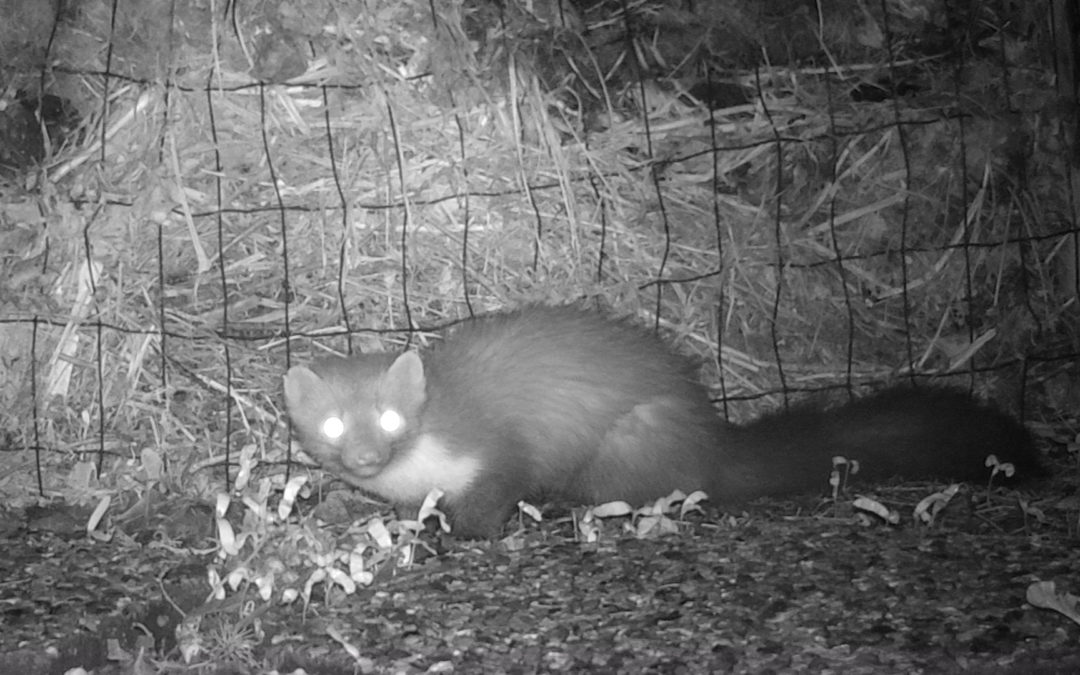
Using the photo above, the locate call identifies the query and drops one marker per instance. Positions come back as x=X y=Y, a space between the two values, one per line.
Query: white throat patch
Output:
x=427 y=465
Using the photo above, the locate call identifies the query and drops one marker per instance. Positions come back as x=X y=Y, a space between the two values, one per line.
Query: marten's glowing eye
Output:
x=391 y=421
x=333 y=428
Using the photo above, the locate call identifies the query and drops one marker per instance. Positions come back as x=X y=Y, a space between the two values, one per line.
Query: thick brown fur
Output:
x=563 y=403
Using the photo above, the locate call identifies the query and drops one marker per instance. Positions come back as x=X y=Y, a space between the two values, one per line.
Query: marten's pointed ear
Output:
x=404 y=384
x=301 y=383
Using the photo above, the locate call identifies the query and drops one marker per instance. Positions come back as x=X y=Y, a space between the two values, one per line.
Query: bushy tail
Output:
x=914 y=433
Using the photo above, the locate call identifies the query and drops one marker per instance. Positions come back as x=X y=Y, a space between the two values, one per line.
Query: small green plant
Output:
x=843 y=469
x=266 y=550
x=657 y=519
x=997 y=467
